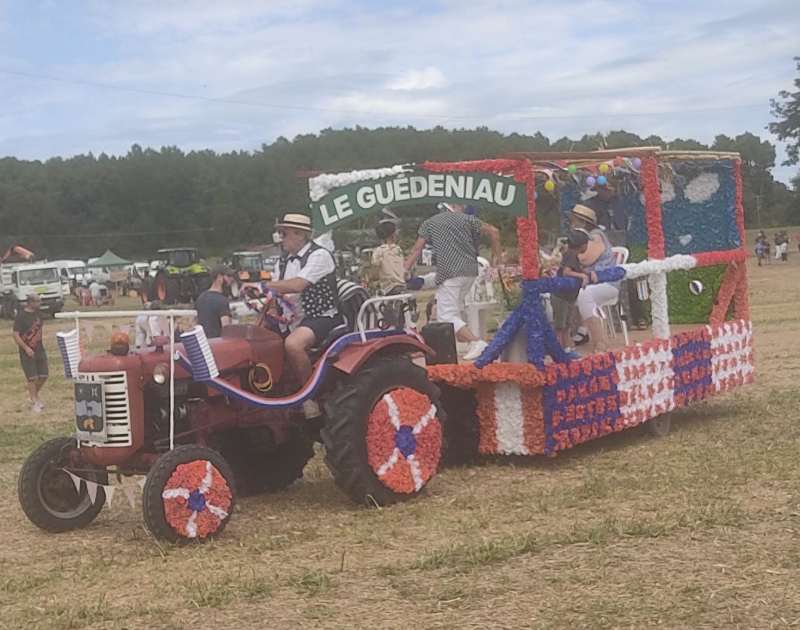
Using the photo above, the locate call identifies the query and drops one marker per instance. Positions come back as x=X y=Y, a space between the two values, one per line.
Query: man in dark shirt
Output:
x=213 y=309
x=32 y=356
x=563 y=302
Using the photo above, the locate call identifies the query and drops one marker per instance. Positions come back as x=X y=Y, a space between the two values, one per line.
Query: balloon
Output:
x=535 y=195
x=696 y=287
x=637 y=163
x=604 y=168
x=572 y=168
x=549 y=186
x=602 y=181
x=618 y=161
x=590 y=181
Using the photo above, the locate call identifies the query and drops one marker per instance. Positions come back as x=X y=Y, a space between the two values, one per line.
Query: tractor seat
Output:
x=340 y=331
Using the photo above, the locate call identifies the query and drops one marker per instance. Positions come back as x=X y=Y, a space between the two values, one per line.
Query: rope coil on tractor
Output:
x=262 y=387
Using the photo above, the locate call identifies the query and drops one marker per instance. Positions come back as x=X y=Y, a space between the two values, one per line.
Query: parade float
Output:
x=203 y=419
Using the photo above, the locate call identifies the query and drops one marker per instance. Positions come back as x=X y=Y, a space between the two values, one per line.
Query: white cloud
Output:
x=418 y=80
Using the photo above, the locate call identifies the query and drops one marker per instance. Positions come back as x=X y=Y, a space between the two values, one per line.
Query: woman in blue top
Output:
x=598 y=256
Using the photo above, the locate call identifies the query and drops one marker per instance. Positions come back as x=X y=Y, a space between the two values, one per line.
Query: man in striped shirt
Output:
x=453 y=236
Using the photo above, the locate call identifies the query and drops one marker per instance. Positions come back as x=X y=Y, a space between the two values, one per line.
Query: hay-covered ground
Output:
x=700 y=529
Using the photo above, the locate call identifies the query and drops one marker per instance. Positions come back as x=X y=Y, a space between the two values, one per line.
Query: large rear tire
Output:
x=48 y=495
x=166 y=288
x=189 y=495
x=383 y=435
x=146 y=291
x=259 y=471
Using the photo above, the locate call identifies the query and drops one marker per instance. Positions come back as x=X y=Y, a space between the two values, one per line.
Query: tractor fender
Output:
x=353 y=356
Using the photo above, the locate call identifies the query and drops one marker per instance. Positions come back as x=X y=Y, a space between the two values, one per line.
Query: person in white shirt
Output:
x=307 y=278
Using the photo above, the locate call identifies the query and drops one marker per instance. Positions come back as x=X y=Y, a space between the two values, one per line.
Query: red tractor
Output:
x=233 y=424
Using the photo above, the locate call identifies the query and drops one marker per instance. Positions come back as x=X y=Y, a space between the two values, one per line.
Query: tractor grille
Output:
x=117 y=408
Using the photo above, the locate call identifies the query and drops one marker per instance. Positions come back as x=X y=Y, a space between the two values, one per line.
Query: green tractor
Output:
x=179 y=279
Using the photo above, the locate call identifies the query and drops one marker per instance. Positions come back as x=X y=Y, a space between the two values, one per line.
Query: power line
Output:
x=207 y=99
x=105 y=234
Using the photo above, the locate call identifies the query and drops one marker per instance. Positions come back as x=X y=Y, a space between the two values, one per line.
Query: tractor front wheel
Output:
x=384 y=432
x=189 y=495
x=166 y=288
x=48 y=494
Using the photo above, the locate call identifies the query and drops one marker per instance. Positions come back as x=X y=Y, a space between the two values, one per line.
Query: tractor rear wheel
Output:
x=166 y=288
x=189 y=495
x=269 y=470
x=146 y=291
x=48 y=494
x=384 y=432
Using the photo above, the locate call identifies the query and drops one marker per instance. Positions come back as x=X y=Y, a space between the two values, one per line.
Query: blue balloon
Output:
x=602 y=181
x=535 y=195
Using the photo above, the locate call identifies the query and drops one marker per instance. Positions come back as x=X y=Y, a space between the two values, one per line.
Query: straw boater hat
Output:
x=296 y=221
x=583 y=213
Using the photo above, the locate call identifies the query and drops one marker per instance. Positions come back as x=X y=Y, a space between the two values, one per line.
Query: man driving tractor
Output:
x=308 y=279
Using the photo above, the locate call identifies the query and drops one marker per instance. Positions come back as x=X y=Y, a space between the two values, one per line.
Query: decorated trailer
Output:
x=201 y=420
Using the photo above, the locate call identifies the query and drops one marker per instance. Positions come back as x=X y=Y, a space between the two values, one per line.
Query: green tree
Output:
x=787 y=129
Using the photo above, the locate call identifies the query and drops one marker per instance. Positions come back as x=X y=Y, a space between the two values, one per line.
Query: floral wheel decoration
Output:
x=404 y=440
x=197 y=499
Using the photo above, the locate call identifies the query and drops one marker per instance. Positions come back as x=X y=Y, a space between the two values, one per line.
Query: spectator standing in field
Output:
x=452 y=235
x=213 y=309
x=387 y=260
x=759 y=251
x=32 y=355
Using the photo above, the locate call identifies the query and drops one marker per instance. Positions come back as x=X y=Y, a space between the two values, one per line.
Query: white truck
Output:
x=18 y=281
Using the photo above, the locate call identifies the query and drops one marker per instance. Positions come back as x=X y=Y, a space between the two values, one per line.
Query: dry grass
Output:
x=697 y=530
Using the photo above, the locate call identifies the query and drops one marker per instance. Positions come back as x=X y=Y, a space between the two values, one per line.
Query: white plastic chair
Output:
x=621 y=255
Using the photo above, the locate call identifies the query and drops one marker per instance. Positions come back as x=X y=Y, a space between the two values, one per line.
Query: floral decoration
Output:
x=510 y=419
x=732 y=355
x=581 y=401
x=468 y=376
x=404 y=440
x=730 y=281
x=692 y=366
x=702 y=215
x=652 y=206
x=645 y=382
x=521 y=171
x=738 y=207
x=321 y=185
x=197 y=499
x=540 y=336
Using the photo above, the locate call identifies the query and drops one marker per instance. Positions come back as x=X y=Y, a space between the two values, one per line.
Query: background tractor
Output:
x=249 y=269
x=180 y=278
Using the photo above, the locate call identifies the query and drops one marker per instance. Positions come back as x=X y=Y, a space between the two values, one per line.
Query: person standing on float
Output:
x=453 y=236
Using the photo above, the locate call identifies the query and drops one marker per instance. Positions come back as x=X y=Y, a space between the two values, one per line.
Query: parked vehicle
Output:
x=138 y=274
x=73 y=271
x=249 y=268
x=18 y=281
x=181 y=277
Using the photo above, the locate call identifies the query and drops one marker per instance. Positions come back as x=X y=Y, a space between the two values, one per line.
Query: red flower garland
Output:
x=724 y=257
x=404 y=440
x=652 y=206
x=522 y=172
x=189 y=482
x=468 y=376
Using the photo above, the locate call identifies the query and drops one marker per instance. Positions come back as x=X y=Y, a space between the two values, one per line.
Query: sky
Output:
x=87 y=75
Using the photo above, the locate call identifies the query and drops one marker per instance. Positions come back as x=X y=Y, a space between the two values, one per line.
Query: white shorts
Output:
x=593 y=296
x=450 y=298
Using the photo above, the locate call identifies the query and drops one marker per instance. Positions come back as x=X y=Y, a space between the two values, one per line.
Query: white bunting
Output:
x=125 y=329
x=89 y=326
x=141 y=482
x=108 y=327
x=129 y=493
x=76 y=480
x=109 y=494
x=91 y=488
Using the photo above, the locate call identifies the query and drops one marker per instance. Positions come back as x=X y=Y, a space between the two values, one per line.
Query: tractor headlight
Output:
x=160 y=373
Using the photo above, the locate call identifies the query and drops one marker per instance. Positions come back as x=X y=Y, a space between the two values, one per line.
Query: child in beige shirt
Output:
x=387 y=260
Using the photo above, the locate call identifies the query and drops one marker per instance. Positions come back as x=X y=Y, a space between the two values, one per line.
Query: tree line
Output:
x=149 y=199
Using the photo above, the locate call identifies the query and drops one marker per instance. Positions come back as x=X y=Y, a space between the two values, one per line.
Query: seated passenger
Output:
x=308 y=278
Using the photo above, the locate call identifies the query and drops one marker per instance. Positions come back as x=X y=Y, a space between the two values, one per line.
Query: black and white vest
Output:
x=316 y=299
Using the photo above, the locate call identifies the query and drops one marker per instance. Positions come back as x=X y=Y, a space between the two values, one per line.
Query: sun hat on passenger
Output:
x=584 y=213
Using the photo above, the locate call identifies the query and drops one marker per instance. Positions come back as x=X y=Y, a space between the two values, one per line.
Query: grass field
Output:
x=700 y=529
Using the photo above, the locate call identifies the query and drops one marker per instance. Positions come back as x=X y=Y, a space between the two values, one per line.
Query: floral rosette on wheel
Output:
x=197 y=499
x=404 y=440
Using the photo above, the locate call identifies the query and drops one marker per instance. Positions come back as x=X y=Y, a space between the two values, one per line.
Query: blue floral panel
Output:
x=698 y=208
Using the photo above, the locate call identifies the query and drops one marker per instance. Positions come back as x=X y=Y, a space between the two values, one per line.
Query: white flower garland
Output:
x=510 y=419
x=321 y=185
x=654 y=368
x=741 y=352
x=658 y=304
x=651 y=266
